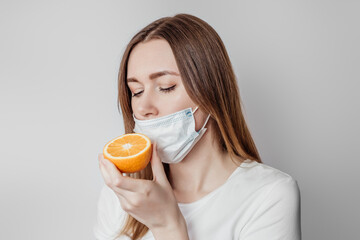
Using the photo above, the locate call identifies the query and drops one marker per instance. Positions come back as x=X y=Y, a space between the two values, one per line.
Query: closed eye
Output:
x=136 y=94
x=165 y=90
x=169 y=89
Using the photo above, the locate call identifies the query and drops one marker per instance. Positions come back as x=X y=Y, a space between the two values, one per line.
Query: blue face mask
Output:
x=174 y=134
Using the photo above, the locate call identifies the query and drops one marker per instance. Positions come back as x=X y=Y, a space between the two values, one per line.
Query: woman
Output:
x=206 y=179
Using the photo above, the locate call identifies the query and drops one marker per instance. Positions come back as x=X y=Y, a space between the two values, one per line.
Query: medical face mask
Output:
x=174 y=134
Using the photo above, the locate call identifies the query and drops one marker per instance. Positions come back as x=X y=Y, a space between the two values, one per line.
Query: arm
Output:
x=278 y=217
x=110 y=217
x=151 y=202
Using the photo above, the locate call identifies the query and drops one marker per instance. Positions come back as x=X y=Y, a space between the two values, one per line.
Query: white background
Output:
x=297 y=63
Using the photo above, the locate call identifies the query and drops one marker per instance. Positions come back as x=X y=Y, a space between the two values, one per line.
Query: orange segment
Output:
x=129 y=152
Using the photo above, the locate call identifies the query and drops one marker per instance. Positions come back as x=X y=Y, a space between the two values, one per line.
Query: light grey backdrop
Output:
x=298 y=68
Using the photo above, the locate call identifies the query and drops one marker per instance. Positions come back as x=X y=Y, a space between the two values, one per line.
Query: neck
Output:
x=205 y=168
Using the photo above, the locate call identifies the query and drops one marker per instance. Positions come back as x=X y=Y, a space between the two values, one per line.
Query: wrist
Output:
x=177 y=231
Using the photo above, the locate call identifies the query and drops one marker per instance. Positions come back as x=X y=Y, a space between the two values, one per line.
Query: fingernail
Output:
x=104 y=161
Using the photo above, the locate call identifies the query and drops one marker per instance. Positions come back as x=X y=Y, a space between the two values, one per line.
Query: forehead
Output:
x=152 y=56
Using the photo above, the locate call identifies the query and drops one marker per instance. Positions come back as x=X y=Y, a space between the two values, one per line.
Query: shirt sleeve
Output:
x=278 y=217
x=110 y=216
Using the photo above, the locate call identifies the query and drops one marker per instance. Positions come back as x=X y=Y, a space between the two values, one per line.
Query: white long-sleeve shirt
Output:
x=257 y=202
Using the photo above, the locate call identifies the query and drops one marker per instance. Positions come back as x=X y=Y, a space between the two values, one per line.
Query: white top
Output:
x=257 y=202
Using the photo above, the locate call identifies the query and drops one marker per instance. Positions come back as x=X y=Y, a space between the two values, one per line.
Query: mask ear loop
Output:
x=207 y=119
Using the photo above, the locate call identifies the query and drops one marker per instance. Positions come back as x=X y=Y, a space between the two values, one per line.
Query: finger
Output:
x=104 y=173
x=157 y=166
x=122 y=194
x=118 y=180
x=123 y=202
x=110 y=182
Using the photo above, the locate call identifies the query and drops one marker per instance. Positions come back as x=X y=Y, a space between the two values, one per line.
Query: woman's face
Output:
x=155 y=83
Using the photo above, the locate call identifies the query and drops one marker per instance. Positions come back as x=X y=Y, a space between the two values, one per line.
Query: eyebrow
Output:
x=155 y=75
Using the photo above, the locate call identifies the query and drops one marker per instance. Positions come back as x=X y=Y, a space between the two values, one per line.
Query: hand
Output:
x=151 y=202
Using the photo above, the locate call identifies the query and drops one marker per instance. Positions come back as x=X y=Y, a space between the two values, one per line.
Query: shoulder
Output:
x=260 y=173
x=253 y=177
x=275 y=202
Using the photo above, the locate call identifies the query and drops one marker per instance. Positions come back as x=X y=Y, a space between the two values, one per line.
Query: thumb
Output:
x=157 y=166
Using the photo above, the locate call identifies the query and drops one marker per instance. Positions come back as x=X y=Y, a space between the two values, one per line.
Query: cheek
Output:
x=134 y=106
x=173 y=104
x=184 y=99
x=200 y=119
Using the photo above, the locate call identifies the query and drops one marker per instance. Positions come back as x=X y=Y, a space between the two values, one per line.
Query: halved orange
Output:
x=129 y=152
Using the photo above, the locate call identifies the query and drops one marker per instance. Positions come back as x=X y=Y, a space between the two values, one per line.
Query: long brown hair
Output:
x=209 y=80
